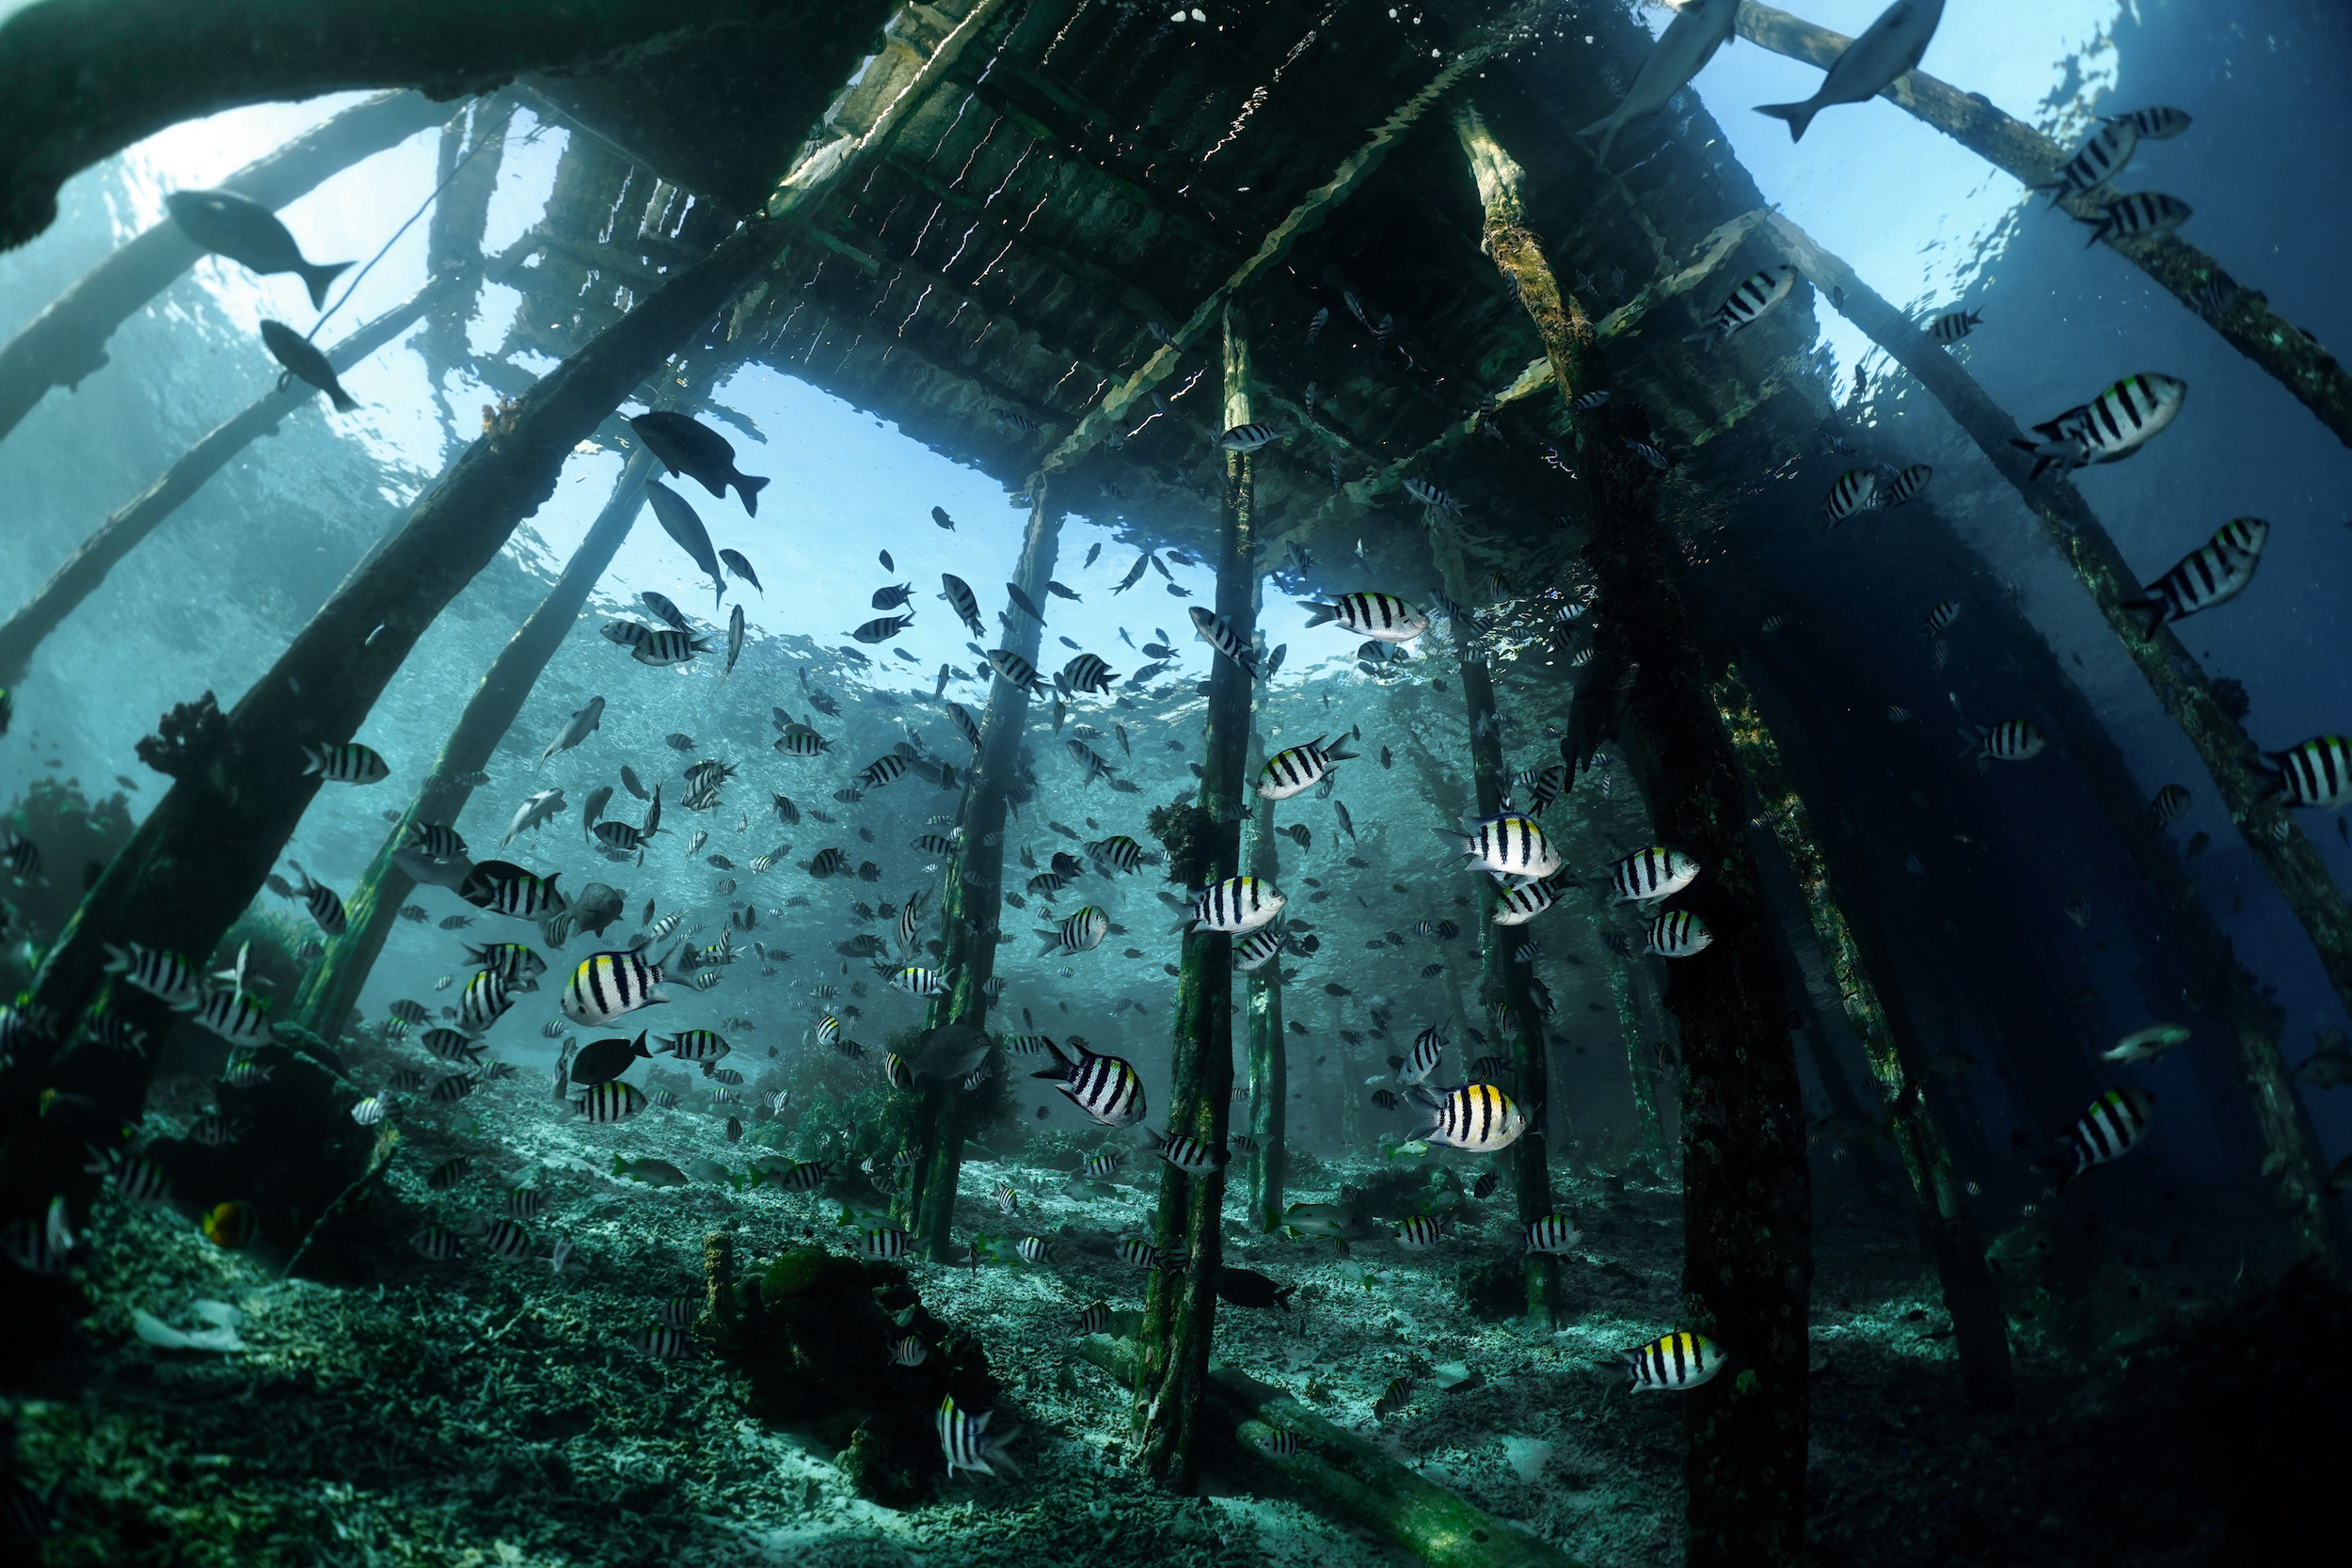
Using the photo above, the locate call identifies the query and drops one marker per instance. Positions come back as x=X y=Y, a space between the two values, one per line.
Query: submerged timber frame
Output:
x=1038 y=325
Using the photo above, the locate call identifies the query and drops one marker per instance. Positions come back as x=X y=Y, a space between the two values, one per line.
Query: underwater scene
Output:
x=1089 y=781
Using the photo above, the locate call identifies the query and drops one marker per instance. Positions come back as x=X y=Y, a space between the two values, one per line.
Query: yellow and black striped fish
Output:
x=2317 y=772
x=611 y=1101
x=1676 y=934
x=1104 y=1088
x=1676 y=1361
x=2114 y=1126
x=606 y=986
x=2010 y=740
x=1478 y=1118
x=2214 y=572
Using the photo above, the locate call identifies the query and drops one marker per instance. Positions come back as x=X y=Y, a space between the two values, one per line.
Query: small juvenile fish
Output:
x=1756 y=294
x=350 y=762
x=1953 y=325
x=2146 y=1045
x=2141 y=213
x=2010 y=740
x=964 y=1440
x=743 y=568
x=1676 y=934
x=304 y=362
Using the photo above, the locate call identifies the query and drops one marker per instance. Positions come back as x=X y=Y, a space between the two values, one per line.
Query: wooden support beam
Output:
x=1112 y=414
x=1747 y=1227
x=81 y=80
x=1096 y=279
x=1891 y=1042
x=1180 y=1304
x=1505 y=999
x=472 y=156
x=67 y=340
x=82 y=572
x=2179 y=682
x=2289 y=354
x=972 y=910
x=1269 y=1050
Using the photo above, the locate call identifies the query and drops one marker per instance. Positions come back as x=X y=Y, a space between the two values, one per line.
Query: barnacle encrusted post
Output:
x=1269 y=1059
x=1188 y=834
x=2187 y=692
x=971 y=912
x=1882 y=1019
x=1506 y=993
x=187 y=740
x=1748 y=1261
x=1180 y=1308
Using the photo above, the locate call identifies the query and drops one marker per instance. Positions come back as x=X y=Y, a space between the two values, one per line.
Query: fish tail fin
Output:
x=2151 y=612
x=344 y=402
x=1052 y=939
x=1323 y=612
x=318 y=275
x=1607 y=129
x=2272 y=767
x=749 y=486
x=1799 y=116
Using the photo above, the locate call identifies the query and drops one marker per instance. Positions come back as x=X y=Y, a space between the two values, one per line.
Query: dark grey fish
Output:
x=594 y=811
x=1020 y=601
x=598 y=906
x=250 y=236
x=629 y=782
x=1060 y=593
x=304 y=362
x=964 y=603
x=1094 y=552
x=680 y=521
x=602 y=1061
x=939 y=515
x=743 y=568
x=1135 y=575
x=687 y=445
x=661 y=605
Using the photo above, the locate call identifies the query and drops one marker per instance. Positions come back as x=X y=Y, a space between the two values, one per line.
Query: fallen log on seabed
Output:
x=1346 y=1476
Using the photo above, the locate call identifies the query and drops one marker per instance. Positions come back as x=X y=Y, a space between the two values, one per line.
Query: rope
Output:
x=352 y=287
